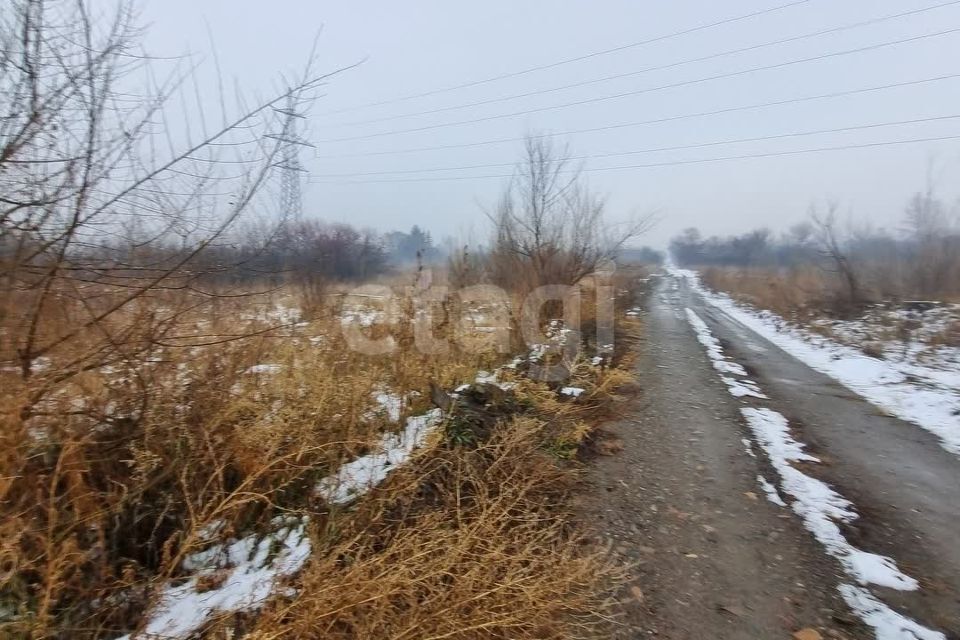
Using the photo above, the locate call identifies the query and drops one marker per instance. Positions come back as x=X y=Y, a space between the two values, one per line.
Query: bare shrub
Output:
x=833 y=247
x=465 y=267
x=935 y=250
x=549 y=227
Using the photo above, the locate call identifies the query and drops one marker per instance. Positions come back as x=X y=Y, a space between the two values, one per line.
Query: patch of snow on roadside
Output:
x=358 y=476
x=771 y=491
x=820 y=507
x=714 y=350
x=924 y=395
x=742 y=388
x=253 y=567
x=886 y=623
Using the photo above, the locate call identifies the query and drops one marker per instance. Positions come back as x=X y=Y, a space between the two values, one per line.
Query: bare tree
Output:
x=935 y=243
x=118 y=191
x=832 y=247
x=102 y=202
x=549 y=226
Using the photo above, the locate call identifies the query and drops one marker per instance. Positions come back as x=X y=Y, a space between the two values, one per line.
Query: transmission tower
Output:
x=291 y=198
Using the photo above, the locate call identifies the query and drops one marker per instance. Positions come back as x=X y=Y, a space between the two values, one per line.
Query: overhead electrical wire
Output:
x=587 y=56
x=636 y=123
x=672 y=65
x=732 y=74
x=666 y=164
x=651 y=150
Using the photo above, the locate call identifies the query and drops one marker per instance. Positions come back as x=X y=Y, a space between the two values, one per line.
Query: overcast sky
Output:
x=419 y=46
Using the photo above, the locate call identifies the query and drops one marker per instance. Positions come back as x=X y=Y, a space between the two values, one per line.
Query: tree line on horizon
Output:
x=920 y=258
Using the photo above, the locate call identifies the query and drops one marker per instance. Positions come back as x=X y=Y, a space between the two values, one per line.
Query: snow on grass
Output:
x=485 y=377
x=926 y=395
x=886 y=623
x=573 y=392
x=388 y=403
x=358 y=476
x=251 y=568
x=362 y=317
x=821 y=508
x=265 y=369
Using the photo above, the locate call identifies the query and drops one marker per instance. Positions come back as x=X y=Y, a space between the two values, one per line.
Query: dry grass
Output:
x=109 y=476
x=467 y=543
x=794 y=293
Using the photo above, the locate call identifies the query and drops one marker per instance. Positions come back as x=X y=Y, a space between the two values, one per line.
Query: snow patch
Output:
x=265 y=369
x=358 y=476
x=388 y=403
x=714 y=350
x=886 y=623
x=926 y=395
x=252 y=565
x=573 y=392
x=485 y=377
x=742 y=388
x=771 y=491
x=738 y=388
x=820 y=507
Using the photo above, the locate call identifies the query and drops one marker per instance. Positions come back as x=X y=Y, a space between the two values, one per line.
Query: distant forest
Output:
x=920 y=258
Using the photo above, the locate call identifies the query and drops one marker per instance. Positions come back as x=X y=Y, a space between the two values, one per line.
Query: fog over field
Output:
x=411 y=49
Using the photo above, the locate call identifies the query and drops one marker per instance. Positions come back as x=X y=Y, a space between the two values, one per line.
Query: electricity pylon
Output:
x=291 y=198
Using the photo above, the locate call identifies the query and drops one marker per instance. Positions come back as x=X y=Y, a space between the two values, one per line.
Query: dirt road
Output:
x=713 y=555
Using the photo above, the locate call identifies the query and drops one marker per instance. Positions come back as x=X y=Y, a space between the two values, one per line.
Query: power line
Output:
x=291 y=197
x=552 y=65
x=636 y=123
x=672 y=65
x=668 y=164
x=674 y=85
x=652 y=150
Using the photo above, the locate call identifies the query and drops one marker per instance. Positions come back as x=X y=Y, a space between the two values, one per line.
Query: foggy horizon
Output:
x=407 y=51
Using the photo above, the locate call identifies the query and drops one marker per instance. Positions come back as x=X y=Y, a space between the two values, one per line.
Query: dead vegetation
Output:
x=837 y=266
x=157 y=404
x=114 y=483
x=470 y=542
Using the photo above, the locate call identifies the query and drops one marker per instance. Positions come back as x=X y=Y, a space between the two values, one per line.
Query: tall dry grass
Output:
x=467 y=543
x=796 y=293
x=112 y=475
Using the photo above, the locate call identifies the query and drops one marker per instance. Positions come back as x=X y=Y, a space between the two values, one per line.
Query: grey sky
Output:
x=421 y=45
